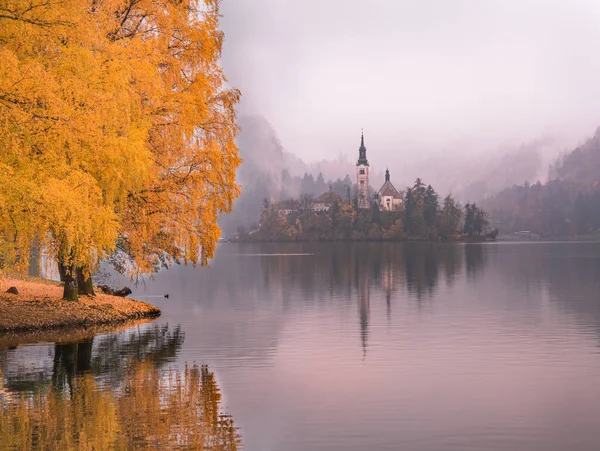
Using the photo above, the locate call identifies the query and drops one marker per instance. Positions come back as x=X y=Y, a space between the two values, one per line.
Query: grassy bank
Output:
x=39 y=306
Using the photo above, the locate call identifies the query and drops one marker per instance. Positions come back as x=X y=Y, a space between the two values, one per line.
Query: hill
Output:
x=568 y=204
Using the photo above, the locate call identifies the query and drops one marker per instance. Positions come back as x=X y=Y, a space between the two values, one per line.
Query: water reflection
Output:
x=111 y=392
x=383 y=346
x=354 y=272
x=342 y=267
x=476 y=258
x=566 y=273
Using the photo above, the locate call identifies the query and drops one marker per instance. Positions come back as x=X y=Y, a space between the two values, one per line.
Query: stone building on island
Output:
x=387 y=197
x=318 y=205
x=325 y=201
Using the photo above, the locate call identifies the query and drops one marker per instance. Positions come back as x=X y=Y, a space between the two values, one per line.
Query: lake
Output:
x=320 y=346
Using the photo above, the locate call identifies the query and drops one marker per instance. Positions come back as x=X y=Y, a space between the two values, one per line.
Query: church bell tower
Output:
x=362 y=175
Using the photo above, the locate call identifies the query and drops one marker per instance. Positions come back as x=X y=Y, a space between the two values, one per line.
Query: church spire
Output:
x=387 y=175
x=362 y=152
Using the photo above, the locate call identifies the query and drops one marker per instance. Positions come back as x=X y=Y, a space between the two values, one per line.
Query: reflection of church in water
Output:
x=388 y=198
x=373 y=279
x=364 y=282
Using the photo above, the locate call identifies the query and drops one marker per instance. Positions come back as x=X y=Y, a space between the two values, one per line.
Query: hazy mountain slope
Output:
x=582 y=165
x=565 y=205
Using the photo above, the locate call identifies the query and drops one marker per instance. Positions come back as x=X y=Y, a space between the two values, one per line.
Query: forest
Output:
x=567 y=205
x=421 y=218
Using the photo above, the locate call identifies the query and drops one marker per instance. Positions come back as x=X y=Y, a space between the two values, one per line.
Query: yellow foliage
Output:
x=115 y=121
x=151 y=410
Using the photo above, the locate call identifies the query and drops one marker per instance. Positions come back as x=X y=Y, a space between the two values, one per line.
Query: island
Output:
x=367 y=215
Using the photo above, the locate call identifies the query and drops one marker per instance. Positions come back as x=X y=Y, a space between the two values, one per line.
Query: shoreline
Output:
x=463 y=240
x=39 y=307
x=63 y=335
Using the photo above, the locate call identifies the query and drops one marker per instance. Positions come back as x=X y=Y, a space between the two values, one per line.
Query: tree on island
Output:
x=421 y=218
x=430 y=212
x=450 y=217
x=476 y=221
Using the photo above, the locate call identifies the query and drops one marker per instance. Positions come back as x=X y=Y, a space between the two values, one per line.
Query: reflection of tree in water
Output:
x=420 y=269
x=424 y=262
x=106 y=356
x=475 y=258
x=338 y=267
x=568 y=271
x=451 y=261
x=112 y=352
x=158 y=343
x=112 y=392
x=152 y=409
x=357 y=272
x=70 y=359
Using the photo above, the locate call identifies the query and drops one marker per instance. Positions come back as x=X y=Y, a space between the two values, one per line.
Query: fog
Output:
x=441 y=77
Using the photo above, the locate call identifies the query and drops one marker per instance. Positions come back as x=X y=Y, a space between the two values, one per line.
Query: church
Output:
x=387 y=197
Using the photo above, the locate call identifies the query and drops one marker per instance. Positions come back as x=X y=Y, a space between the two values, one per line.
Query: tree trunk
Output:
x=84 y=355
x=84 y=282
x=68 y=276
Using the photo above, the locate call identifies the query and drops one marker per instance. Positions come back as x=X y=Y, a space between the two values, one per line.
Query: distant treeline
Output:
x=421 y=218
x=270 y=172
x=567 y=205
x=308 y=184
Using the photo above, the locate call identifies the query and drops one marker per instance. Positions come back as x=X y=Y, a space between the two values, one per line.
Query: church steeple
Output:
x=362 y=152
x=362 y=175
x=387 y=175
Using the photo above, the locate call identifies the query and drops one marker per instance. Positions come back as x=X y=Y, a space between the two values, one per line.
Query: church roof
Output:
x=388 y=190
x=328 y=198
x=362 y=153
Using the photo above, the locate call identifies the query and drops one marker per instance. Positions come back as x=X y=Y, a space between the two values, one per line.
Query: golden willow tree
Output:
x=191 y=137
x=116 y=131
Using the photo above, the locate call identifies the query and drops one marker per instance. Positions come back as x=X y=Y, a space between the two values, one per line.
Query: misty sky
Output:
x=418 y=74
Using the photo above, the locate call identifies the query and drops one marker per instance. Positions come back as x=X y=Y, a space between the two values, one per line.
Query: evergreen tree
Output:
x=375 y=213
x=450 y=217
x=469 y=225
x=308 y=184
x=419 y=190
x=320 y=185
x=430 y=205
x=414 y=220
x=481 y=221
x=476 y=221
x=410 y=206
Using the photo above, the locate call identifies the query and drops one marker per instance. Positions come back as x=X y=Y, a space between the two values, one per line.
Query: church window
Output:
x=362 y=171
x=362 y=182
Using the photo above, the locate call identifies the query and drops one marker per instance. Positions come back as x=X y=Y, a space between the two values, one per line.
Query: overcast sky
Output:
x=415 y=74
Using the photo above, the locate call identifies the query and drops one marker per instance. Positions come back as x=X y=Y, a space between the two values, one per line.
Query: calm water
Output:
x=332 y=347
